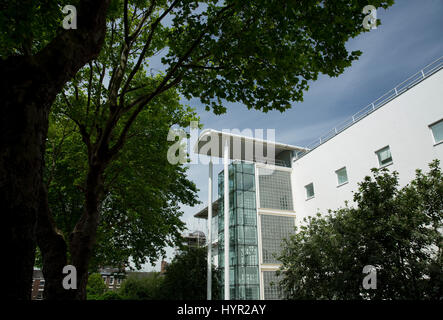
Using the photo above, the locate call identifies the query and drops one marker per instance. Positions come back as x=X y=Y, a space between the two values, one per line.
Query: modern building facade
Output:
x=261 y=215
x=402 y=130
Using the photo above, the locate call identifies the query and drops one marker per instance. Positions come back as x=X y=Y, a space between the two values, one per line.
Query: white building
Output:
x=407 y=129
x=402 y=130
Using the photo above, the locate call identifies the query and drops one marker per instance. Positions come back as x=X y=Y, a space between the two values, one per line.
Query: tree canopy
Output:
x=96 y=287
x=185 y=277
x=142 y=287
x=396 y=230
x=140 y=213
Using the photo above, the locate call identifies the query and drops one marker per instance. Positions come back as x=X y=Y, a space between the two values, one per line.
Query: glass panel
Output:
x=231 y=276
x=384 y=156
x=241 y=275
x=309 y=190
x=239 y=198
x=251 y=257
x=239 y=178
x=251 y=275
x=250 y=235
x=240 y=216
x=437 y=131
x=249 y=199
x=250 y=217
x=240 y=235
x=342 y=176
x=252 y=293
x=248 y=168
x=248 y=182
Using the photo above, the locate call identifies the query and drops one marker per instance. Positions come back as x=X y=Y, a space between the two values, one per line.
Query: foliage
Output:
x=185 y=277
x=22 y=30
x=111 y=295
x=95 y=287
x=140 y=214
x=396 y=230
x=262 y=53
x=142 y=288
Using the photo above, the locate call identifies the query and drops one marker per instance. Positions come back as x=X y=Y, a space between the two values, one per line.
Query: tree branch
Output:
x=125 y=21
x=85 y=136
x=142 y=101
x=142 y=22
x=91 y=72
x=143 y=53
x=196 y=66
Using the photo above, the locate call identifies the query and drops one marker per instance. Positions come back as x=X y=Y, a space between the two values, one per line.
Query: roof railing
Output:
x=274 y=162
x=385 y=98
x=270 y=161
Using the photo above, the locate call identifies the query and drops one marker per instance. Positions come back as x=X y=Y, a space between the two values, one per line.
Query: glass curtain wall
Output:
x=243 y=246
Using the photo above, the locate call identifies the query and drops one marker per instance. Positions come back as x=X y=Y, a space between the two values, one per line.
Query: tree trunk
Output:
x=83 y=238
x=23 y=126
x=53 y=248
x=28 y=87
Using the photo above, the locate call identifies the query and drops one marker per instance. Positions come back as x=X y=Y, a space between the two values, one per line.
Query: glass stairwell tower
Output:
x=243 y=255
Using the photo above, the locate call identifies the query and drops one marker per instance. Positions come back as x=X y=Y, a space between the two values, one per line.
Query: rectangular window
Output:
x=437 y=131
x=111 y=280
x=384 y=156
x=310 y=191
x=342 y=176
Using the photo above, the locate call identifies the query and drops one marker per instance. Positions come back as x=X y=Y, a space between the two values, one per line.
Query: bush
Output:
x=398 y=231
x=141 y=288
x=95 y=287
x=111 y=295
x=186 y=276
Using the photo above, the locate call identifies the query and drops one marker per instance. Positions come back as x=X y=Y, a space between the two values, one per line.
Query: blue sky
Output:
x=409 y=38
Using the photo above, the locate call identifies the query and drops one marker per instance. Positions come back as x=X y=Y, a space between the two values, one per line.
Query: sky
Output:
x=409 y=38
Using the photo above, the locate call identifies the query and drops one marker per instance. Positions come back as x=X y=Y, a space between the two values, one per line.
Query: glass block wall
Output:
x=273 y=230
x=275 y=189
x=243 y=246
x=271 y=288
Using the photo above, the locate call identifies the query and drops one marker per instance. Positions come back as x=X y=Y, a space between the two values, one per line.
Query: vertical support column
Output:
x=226 y=215
x=209 y=280
x=259 y=234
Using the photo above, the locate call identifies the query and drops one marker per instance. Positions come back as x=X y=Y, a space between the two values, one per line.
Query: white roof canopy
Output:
x=203 y=213
x=241 y=147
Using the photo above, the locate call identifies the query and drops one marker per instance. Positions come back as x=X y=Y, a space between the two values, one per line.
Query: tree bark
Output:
x=53 y=248
x=83 y=238
x=23 y=127
x=28 y=87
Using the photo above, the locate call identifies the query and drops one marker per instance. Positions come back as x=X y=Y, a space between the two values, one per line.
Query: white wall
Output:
x=403 y=124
